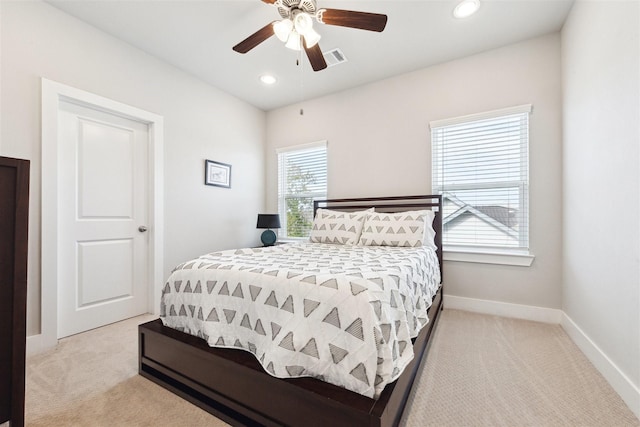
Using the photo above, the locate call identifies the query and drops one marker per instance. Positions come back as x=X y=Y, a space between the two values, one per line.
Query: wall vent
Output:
x=334 y=57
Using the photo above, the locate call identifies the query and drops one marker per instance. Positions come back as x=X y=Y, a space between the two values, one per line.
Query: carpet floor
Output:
x=481 y=371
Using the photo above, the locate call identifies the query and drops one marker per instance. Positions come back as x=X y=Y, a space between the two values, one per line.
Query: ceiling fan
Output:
x=296 y=27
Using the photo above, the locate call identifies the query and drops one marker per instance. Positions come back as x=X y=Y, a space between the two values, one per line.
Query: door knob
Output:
x=142 y=229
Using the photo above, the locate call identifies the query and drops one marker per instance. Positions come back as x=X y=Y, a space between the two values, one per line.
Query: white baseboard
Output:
x=38 y=344
x=629 y=392
x=504 y=309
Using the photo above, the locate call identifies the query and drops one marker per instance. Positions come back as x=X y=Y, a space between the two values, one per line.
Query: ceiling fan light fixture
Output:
x=466 y=8
x=283 y=29
x=294 y=41
x=311 y=38
x=303 y=23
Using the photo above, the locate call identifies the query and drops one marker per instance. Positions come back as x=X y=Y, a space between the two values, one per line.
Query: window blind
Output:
x=302 y=178
x=481 y=168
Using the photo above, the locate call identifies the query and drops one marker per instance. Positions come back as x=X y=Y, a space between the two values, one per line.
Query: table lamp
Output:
x=268 y=221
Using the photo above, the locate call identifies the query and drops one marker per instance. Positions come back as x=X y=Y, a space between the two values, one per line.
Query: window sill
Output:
x=293 y=240
x=523 y=259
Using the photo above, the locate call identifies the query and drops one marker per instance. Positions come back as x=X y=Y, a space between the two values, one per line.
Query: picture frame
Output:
x=217 y=174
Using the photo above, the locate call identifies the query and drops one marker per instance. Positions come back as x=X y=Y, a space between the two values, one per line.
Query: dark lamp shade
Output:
x=268 y=221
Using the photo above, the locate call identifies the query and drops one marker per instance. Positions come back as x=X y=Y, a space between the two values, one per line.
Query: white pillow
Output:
x=405 y=229
x=429 y=238
x=337 y=227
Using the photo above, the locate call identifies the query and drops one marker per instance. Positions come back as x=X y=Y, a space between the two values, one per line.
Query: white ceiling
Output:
x=197 y=37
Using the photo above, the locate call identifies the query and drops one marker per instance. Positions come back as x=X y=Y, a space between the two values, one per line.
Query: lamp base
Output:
x=268 y=238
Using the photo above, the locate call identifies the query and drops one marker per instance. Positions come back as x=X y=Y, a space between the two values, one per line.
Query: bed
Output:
x=242 y=387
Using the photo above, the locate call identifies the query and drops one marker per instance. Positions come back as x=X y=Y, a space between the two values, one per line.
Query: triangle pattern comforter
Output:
x=342 y=314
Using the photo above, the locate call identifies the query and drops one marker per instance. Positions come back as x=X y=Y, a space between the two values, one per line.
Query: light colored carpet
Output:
x=493 y=371
x=481 y=371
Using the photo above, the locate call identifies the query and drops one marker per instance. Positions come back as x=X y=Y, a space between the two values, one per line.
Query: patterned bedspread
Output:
x=343 y=314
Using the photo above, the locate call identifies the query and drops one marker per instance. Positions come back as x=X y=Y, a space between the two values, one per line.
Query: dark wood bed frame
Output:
x=232 y=385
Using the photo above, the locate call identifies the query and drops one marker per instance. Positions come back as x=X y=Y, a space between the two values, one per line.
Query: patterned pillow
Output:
x=337 y=227
x=406 y=229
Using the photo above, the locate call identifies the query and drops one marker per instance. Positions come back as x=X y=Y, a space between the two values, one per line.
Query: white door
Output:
x=102 y=218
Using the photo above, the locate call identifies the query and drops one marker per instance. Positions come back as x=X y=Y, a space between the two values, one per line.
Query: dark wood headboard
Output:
x=392 y=204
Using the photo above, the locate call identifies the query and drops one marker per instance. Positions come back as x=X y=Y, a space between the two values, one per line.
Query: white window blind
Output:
x=481 y=168
x=302 y=178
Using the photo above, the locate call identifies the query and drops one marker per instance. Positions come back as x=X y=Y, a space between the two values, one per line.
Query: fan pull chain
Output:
x=300 y=64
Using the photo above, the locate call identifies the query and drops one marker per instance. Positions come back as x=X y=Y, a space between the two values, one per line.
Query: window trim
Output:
x=300 y=147
x=517 y=256
x=524 y=108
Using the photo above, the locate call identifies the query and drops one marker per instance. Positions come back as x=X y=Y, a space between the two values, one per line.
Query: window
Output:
x=302 y=178
x=481 y=168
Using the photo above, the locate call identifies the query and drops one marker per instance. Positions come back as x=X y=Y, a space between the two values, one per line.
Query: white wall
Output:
x=379 y=145
x=200 y=123
x=601 y=175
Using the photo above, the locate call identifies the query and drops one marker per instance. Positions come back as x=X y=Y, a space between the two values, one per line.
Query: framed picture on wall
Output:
x=218 y=174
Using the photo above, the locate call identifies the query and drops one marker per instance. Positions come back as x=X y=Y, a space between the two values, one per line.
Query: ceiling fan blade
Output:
x=316 y=58
x=255 y=39
x=269 y=1
x=353 y=19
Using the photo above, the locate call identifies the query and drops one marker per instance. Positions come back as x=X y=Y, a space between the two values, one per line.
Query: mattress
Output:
x=343 y=314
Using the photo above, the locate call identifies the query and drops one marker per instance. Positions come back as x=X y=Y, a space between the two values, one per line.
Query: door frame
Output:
x=52 y=94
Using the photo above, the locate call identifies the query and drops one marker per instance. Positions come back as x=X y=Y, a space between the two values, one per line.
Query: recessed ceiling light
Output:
x=466 y=8
x=268 y=79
